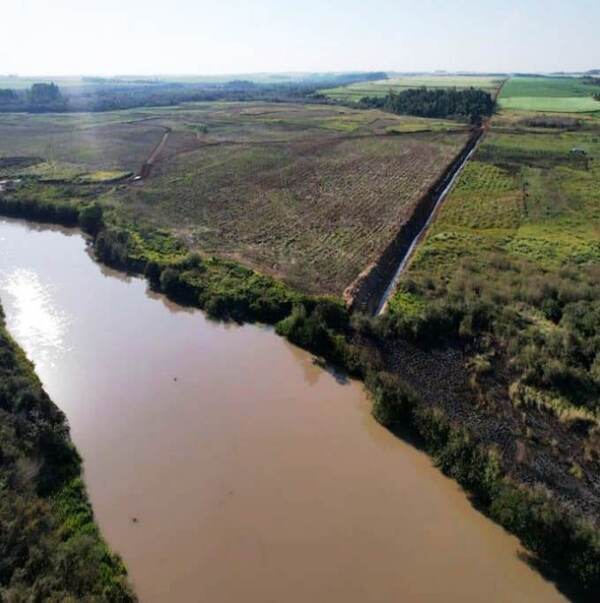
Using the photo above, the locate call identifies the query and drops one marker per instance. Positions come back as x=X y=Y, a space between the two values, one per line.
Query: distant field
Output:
x=546 y=87
x=21 y=83
x=90 y=142
x=576 y=104
x=310 y=193
x=355 y=92
x=123 y=140
x=549 y=94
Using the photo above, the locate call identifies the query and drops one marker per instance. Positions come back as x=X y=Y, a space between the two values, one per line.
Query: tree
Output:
x=8 y=96
x=41 y=94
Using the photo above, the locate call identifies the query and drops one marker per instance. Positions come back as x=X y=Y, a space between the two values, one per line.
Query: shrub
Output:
x=90 y=219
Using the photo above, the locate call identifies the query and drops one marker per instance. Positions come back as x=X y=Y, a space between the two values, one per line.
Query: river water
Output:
x=224 y=466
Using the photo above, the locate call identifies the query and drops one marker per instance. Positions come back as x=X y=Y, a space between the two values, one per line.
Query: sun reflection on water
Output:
x=35 y=321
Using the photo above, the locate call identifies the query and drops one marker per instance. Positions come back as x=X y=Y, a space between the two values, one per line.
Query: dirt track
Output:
x=147 y=166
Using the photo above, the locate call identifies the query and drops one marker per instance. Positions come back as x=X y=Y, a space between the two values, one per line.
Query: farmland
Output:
x=88 y=142
x=355 y=92
x=247 y=209
x=524 y=194
x=308 y=193
x=549 y=94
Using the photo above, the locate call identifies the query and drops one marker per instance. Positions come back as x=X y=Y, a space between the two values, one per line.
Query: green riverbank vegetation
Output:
x=50 y=547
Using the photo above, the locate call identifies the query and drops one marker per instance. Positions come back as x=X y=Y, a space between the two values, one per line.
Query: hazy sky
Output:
x=235 y=36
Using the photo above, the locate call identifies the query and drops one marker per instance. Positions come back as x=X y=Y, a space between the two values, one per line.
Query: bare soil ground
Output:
x=308 y=193
x=311 y=194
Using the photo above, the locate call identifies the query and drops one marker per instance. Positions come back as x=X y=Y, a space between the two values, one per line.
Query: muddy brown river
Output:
x=225 y=467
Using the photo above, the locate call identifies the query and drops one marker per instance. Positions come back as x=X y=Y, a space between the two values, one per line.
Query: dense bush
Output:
x=48 y=211
x=511 y=311
x=90 y=219
x=112 y=247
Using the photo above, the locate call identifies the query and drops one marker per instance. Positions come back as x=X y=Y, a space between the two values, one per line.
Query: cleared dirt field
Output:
x=309 y=193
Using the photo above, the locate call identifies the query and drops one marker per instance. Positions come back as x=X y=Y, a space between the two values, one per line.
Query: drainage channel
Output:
x=452 y=178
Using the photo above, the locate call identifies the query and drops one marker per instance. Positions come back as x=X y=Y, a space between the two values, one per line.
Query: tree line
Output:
x=111 y=95
x=434 y=102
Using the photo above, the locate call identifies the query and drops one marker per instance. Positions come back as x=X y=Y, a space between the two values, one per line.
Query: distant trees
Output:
x=40 y=94
x=591 y=81
x=40 y=98
x=45 y=98
x=438 y=102
x=8 y=96
x=108 y=94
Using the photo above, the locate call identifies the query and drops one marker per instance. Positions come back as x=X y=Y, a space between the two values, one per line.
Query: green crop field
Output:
x=525 y=195
x=546 y=87
x=559 y=104
x=549 y=94
x=310 y=193
x=355 y=92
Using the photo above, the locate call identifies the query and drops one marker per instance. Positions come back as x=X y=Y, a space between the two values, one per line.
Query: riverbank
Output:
x=51 y=547
x=435 y=403
x=225 y=464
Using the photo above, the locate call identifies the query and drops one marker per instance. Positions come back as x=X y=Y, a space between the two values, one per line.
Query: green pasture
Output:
x=549 y=94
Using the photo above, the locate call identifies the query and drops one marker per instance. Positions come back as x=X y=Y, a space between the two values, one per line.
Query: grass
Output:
x=549 y=94
x=104 y=176
x=520 y=232
x=355 y=92
x=52 y=171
